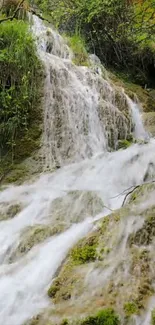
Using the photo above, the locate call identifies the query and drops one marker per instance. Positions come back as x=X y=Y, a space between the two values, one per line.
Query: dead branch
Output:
x=39 y=15
x=14 y=14
x=135 y=188
x=130 y=190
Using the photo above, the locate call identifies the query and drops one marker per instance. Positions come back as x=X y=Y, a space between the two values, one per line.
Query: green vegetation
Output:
x=123 y=144
x=106 y=316
x=153 y=317
x=32 y=236
x=84 y=252
x=78 y=47
x=14 y=7
x=103 y=317
x=130 y=308
x=146 y=234
x=121 y=33
x=54 y=288
x=20 y=92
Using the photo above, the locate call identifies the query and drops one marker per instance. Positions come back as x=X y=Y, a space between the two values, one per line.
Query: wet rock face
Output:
x=31 y=237
x=149 y=122
x=9 y=212
x=146 y=234
x=113 y=266
x=79 y=102
x=76 y=206
x=117 y=123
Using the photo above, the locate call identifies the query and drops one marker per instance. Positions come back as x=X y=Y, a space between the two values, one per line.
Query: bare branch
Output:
x=135 y=188
x=130 y=190
x=14 y=14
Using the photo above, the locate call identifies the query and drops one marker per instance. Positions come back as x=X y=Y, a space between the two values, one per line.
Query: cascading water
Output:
x=84 y=113
x=82 y=118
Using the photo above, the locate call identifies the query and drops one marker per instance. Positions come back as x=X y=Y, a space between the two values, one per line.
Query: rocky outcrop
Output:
x=149 y=122
x=112 y=267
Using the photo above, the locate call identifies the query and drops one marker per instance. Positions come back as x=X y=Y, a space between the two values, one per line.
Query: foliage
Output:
x=120 y=32
x=53 y=289
x=9 y=7
x=104 y=317
x=123 y=144
x=130 y=308
x=85 y=252
x=78 y=47
x=20 y=71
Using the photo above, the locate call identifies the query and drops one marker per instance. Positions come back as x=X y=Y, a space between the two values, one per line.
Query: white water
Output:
x=24 y=284
x=84 y=113
x=139 y=131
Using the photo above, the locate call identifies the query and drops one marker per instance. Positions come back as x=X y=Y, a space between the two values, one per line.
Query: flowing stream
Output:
x=77 y=137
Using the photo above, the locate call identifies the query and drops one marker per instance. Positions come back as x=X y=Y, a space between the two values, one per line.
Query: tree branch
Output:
x=135 y=188
x=14 y=14
x=130 y=190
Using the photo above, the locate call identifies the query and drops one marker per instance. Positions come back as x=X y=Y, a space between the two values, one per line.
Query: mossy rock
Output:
x=141 y=192
x=54 y=288
x=76 y=206
x=62 y=287
x=133 y=90
x=10 y=212
x=146 y=234
x=33 y=236
x=106 y=316
x=130 y=308
x=124 y=144
x=153 y=317
x=16 y=175
x=85 y=251
x=149 y=122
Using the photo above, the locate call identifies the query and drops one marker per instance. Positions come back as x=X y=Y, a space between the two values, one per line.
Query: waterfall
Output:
x=139 y=130
x=84 y=116
x=84 y=113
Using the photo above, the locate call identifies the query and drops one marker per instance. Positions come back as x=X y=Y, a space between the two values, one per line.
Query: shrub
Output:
x=104 y=317
x=77 y=44
x=20 y=71
x=84 y=254
x=130 y=308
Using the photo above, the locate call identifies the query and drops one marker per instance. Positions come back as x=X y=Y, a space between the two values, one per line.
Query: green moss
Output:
x=146 y=234
x=141 y=192
x=61 y=287
x=77 y=44
x=65 y=322
x=103 y=317
x=17 y=174
x=54 y=288
x=104 y=224
x=153 y=317
x=85 y=252
x=123 y=144
x=130 y=308
x=11 y=212
x=33 y=236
